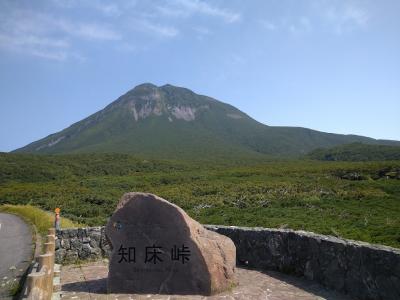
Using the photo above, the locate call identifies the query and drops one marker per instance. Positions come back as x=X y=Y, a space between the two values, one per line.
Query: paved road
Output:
x=15 y=250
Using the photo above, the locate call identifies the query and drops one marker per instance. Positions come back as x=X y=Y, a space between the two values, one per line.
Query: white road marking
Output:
x=0 y=225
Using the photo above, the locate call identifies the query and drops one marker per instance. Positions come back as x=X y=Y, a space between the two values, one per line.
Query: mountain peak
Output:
x=150 y=87
x=144 y=87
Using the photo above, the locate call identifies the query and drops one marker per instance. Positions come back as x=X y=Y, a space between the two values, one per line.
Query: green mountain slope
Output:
x=174 y=122
x=357 y=152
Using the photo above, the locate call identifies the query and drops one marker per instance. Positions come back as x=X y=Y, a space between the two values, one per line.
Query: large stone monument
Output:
x=159 y=249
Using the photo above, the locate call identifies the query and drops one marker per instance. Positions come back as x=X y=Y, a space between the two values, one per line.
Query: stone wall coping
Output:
x=310 y=234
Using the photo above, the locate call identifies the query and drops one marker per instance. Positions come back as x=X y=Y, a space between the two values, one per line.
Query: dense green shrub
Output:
x=310 y=195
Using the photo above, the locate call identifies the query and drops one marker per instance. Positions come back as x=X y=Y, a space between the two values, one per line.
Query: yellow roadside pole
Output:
x=57 y=218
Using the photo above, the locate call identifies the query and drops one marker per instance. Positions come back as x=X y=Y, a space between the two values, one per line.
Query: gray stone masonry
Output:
x=79 y=244
x=359 y=269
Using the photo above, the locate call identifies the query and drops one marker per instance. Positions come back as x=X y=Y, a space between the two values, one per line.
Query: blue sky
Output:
x=332 y=65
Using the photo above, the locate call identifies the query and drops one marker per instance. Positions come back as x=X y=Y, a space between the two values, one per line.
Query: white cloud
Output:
x=305 y=22
x=56 y=32
x=340 y=17
x=201 y=32
x=268 y=25
x=171 y=11
x=333 y=16
x=54 y=49
x=108 y=9
x=90 y=31
x=45 y=36
x=296 y=26
x=357 y=15
x=21 y=32
x=32 y=40
x=126 y=47
x=53 y=55
x=94 y=31
x=300 y=26
x=345 y=19
x=236 y=59
x=186 y=8
x=158 y=29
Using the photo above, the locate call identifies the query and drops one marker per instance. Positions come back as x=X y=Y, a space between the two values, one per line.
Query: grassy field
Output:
x=355 y=200
x=43 y=220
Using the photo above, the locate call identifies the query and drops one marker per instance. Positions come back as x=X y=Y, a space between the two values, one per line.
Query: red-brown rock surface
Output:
x=158 y=248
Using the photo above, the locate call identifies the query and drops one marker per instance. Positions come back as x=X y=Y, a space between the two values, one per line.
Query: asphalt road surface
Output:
x=15 y=250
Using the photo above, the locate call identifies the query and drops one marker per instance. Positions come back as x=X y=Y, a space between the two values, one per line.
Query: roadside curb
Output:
x=56 y=283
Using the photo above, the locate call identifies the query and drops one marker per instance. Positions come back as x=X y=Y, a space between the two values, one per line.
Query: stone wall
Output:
x=359 y=269
x=73 y=245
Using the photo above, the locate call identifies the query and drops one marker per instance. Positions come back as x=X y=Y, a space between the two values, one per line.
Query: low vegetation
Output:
x=356 y=200
x=42 y=220
x=357 y=152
